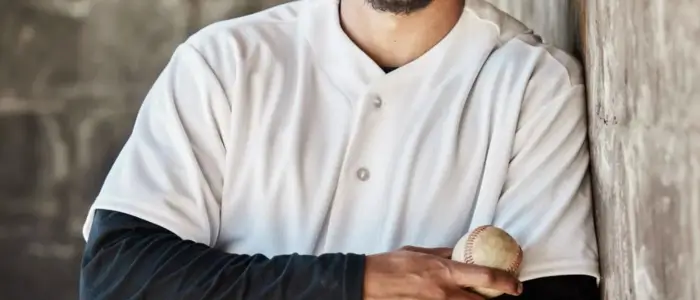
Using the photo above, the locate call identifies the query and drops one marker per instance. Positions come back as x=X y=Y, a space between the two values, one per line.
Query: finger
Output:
x=461 y=294
x=467 y=275
x=441 y=252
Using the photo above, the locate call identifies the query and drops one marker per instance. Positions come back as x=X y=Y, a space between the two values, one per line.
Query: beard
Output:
x=399 y=7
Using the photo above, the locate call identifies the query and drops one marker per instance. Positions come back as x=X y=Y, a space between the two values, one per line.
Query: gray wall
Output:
x=73 y=73
x=643 y=75
x=644 y=86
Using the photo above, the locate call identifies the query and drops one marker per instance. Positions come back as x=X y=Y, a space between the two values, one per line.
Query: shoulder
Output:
x=522 y=50
x=238 y=38
x=277 y=20
x=536 y=75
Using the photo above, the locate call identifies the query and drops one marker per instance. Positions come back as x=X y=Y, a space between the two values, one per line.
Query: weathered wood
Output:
x=643 y=76
x=644 y=92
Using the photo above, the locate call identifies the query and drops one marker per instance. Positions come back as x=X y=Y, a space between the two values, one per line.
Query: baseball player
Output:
x=326 y=149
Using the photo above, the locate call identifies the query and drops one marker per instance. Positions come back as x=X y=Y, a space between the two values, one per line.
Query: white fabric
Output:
x=252 y=137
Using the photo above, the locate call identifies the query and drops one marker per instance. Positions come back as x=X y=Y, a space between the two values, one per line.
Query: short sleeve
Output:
x=546 y=200
x=169 y=172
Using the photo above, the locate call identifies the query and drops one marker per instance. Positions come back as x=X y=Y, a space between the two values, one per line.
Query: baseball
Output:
x=491 y=247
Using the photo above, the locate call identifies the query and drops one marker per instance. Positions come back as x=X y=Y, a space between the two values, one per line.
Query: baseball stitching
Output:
x=470 y=242
x=514 y=265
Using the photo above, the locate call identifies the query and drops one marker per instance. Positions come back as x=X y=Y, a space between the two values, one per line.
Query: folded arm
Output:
x=129 y=258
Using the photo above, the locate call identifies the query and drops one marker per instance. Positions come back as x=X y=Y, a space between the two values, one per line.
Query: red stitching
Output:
x=470 y=243
x=514 y=266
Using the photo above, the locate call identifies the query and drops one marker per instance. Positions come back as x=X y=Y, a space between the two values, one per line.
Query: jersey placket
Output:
x=359 y=207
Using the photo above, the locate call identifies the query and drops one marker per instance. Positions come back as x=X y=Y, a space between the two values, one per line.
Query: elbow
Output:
x=104 y=270
x=87 y=283
x=94 y=276
x=107 y=267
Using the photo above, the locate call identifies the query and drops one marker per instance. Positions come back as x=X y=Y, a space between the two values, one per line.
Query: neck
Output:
x=393 y=40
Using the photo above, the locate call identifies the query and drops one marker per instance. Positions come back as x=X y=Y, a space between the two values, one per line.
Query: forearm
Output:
x=128 y=258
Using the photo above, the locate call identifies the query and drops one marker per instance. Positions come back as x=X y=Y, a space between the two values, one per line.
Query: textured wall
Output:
x=72 y=75
x=643 y=75
x=644 y=86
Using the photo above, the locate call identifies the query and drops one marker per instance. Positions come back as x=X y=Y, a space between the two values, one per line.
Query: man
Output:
x=337 y=150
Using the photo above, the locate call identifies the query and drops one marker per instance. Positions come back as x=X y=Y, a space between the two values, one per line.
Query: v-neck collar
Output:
x=464 y=49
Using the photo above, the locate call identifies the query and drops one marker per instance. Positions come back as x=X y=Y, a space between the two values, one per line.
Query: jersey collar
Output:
x=461 y=53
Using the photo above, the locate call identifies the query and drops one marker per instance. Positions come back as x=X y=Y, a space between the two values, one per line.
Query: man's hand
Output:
x=429 y=274
x=441 y=252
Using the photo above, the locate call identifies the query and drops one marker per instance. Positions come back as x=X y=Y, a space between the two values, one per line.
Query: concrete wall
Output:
x=73 y=73
x=644 y=105
x=643 y=75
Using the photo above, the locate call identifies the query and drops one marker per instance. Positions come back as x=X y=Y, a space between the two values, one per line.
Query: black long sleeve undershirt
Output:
x=129 y=258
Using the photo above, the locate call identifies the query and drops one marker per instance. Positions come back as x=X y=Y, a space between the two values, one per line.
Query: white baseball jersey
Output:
x=273 y=133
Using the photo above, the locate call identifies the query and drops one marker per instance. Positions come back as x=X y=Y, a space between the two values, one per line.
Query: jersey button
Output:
x=377 y=102
x=363 y=174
